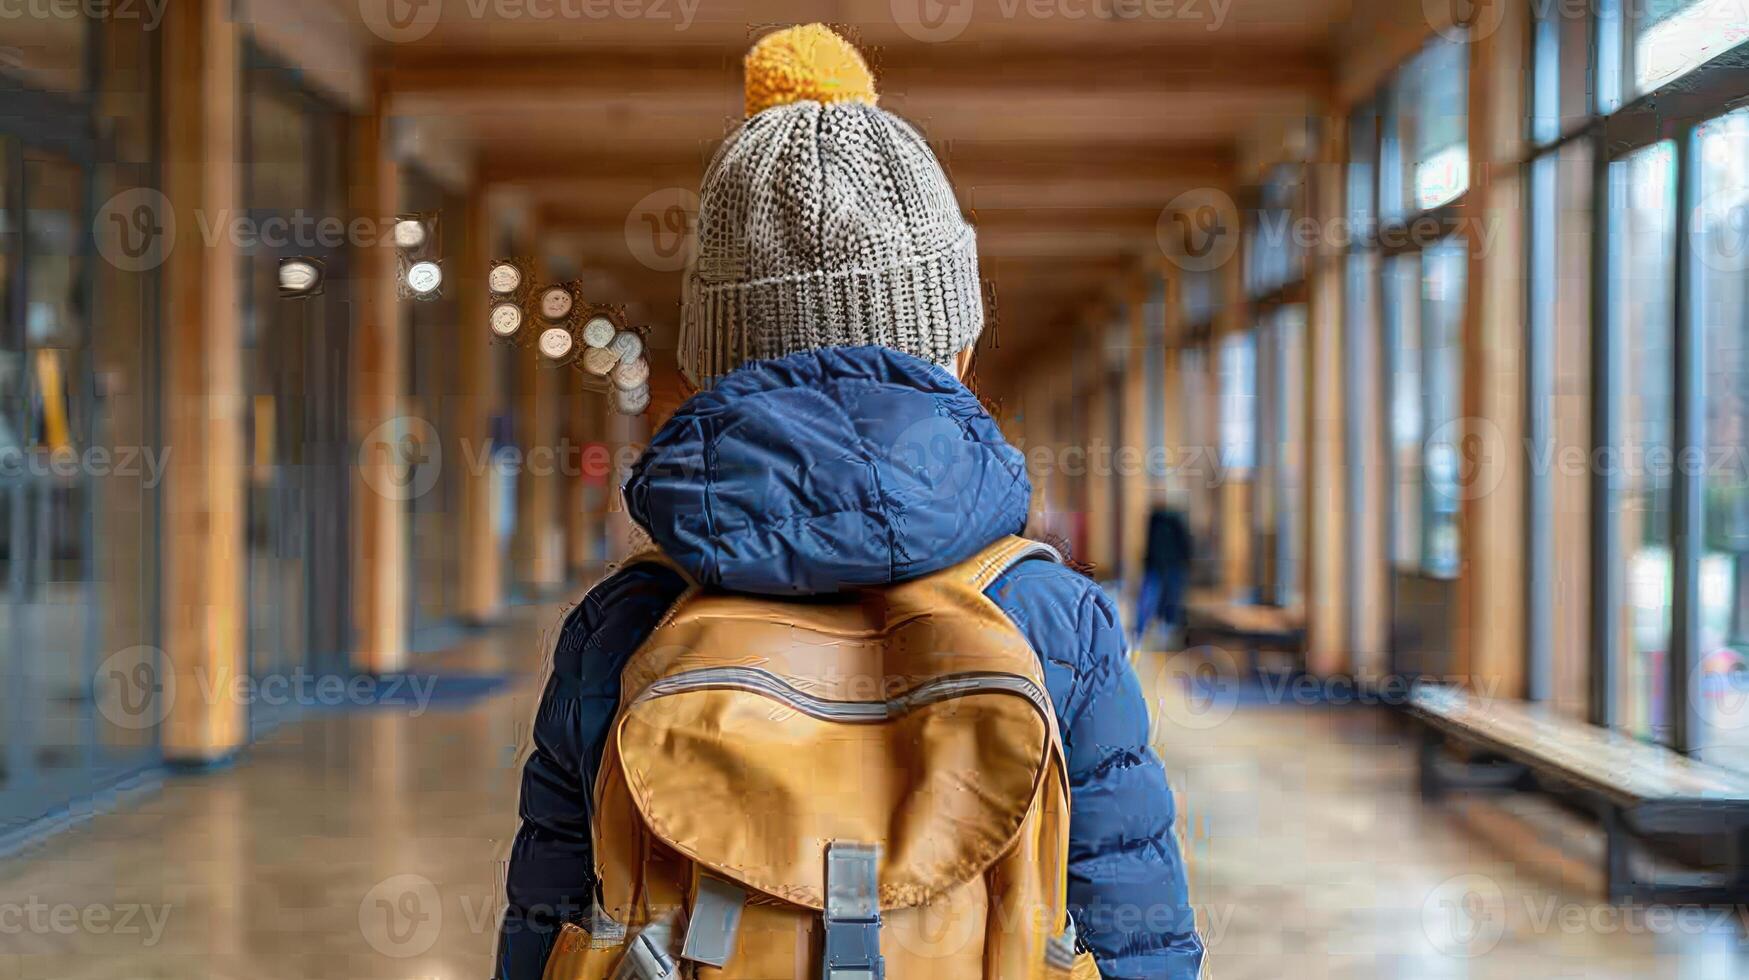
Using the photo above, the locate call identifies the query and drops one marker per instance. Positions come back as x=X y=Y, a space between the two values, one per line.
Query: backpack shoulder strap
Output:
x=987 y=566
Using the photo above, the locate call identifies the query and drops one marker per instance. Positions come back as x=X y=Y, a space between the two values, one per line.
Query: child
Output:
x=832 y=307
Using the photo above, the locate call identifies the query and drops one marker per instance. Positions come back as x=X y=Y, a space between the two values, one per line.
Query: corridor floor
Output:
x=370 y=844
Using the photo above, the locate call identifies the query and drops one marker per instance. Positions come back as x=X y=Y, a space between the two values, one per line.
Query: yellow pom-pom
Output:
x=806 y=63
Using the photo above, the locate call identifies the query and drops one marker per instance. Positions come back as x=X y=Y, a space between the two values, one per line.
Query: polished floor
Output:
x=370 y=845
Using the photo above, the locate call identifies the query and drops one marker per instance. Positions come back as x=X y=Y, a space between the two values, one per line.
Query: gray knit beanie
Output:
x=824 y=221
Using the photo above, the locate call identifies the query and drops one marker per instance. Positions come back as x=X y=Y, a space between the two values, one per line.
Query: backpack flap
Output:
x=740 y=770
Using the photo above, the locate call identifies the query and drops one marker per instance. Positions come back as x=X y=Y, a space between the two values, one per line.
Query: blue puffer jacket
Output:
x=811 y=475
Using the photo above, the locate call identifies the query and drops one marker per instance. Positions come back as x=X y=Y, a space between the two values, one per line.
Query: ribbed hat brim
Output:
x=931 y=307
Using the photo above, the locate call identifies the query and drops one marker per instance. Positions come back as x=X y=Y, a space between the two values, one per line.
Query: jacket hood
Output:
x=825 y=471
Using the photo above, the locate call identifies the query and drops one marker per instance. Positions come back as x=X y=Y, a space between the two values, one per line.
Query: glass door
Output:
x=76 y=711
x=295 y=371
x=1423 y=306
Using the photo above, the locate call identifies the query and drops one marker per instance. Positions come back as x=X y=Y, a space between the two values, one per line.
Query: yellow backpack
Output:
x=862 y=787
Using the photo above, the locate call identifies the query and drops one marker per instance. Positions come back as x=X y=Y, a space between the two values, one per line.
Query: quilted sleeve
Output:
x=1127 y=887
x=550 y=879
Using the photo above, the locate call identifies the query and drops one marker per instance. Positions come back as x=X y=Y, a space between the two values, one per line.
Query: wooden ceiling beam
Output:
x=1172 y=68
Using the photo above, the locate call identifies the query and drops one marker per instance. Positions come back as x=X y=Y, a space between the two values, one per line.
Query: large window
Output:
x=1275 y=269
x=1674 y=37
x=295 y=372
x=1644 y=320
x=1721 y=310
x=1642 y=212
x=1407 y=180
x=80 y=453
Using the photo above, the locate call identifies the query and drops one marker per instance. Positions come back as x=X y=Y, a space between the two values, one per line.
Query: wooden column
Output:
x=379 y=579
x=1326 y=486
x=482 y=572
x=1489 y=630
x=1094 y=440
x=1238 y=488
x=1131 y=458
x=204 y=534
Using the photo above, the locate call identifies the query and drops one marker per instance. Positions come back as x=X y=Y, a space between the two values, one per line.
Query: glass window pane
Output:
x=1238 y=403
x=1289 y=433
x=1561 y=87
x=1674 y=37
x=1202 y=296
x=1426 y=153
x=1265 y=500
x=1642 y=197
x=1402 y=326
x=1362 y=177
x=1721 y=276
x=1443 y=275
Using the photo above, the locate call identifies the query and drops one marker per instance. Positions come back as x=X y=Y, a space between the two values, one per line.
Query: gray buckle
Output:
x=715 y=918
x=853 y=916
x=647 y=958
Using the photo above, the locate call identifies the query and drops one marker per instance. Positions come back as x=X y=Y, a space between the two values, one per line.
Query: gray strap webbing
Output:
x=716 y=916
x=853 y=916
x=647 y=956
x=1060 y=950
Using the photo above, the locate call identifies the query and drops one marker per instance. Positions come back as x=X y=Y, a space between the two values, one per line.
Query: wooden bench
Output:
x=1642 y=794
x=1210 y=620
